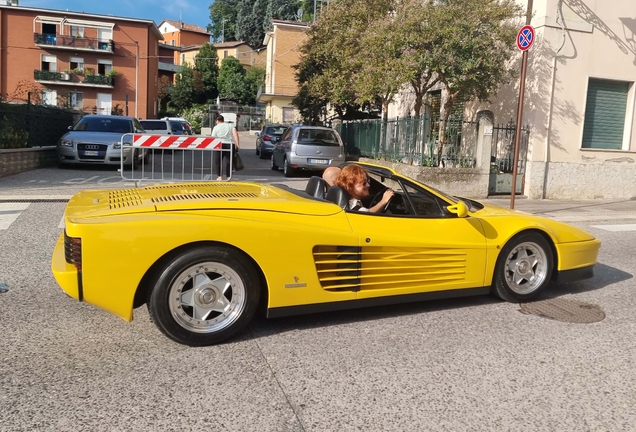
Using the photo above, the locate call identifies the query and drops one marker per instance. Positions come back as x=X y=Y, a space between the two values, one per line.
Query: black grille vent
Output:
x=124 y=198
x=73 y=250
x=191 y=185
x=222 y=195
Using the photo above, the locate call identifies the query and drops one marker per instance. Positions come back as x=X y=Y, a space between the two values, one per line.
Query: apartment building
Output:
x=247 y=55
x=187 y=37
x=89 y=62
x=282 y=54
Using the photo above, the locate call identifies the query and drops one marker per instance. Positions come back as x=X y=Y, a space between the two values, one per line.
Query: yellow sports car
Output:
x=203 y=256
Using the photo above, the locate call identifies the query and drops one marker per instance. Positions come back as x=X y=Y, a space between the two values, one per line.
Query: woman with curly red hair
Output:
x=355 y=181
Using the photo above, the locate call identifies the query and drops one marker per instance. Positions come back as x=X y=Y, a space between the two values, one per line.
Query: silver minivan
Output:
x=311 y=148
x=162 y=127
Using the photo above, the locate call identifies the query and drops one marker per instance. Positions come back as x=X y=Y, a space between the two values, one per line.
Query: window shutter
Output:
x=605 y=114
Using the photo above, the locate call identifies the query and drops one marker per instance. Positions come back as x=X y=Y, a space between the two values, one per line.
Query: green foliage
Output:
x=254 y=77
x=232 y=83
x=206 y=63
x=223 y=11
x=185 y=89
x=279 y=9
x=250 y=21
x=362 y=52
x=194 y=115
x=117 y=110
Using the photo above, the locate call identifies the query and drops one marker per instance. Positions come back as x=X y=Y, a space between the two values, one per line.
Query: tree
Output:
x=232 y=83
x=206 y=63
x=164 y=90
x=250 y=21
x=254 y=78
x=186 y=89
x=223 y=14
x=280 y=9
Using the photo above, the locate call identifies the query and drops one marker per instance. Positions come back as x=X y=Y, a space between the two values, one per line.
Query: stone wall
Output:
x=13 y=161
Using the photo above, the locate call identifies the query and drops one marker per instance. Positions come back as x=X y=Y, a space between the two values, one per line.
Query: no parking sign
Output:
x=525 y=37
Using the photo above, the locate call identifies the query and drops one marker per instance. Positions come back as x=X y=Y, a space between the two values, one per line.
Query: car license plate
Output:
x=91 y=153
x=318 y=161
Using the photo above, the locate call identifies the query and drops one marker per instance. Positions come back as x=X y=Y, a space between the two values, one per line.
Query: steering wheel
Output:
x=378 y=197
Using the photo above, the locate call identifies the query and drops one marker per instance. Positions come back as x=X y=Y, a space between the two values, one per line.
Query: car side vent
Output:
x=367 y=268
x=221 y=195
x=124 y=198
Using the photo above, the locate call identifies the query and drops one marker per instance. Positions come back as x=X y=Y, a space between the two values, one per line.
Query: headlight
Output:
x=66 y=143
x=117 y=145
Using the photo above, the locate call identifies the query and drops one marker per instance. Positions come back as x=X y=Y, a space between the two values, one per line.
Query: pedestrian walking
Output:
x=221 y=159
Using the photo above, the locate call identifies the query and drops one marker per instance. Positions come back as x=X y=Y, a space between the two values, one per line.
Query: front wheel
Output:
x=524 y=268
x=204 y=296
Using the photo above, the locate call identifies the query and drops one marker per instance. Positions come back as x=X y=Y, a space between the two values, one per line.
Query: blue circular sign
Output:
x=525 y=37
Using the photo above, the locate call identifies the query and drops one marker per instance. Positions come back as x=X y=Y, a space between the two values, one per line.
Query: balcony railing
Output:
x=274 y=89
x=99 y=79
x=73 y=79
x=73 y=42
x=41 y=75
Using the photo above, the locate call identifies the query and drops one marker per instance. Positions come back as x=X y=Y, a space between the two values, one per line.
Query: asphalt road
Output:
x=474 y=364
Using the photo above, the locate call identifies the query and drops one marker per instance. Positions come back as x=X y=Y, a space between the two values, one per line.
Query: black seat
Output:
x=338 y=196
x=316 y=187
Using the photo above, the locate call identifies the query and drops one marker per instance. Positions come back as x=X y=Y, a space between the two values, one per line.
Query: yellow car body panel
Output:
x=301 y=246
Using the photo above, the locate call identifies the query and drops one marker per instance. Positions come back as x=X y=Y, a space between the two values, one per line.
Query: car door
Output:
x=432 y=250
x=280 y=148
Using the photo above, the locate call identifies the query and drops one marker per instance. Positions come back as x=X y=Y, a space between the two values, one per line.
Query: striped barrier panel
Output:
x=173 y=158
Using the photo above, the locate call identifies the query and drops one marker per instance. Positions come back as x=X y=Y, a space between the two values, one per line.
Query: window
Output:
x=49 y=63
x=225 y=53
x=104 y=66
x=183 y=59
x=49 y=28
x=76 y=64
x=49 y=97
x=77 y=31
x=76 y=100
x=605 y=109
x=173 y=43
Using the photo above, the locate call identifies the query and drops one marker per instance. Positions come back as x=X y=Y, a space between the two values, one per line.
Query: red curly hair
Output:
x=349 y=177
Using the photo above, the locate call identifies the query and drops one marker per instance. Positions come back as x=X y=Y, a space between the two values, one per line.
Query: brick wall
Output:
x=14 y=161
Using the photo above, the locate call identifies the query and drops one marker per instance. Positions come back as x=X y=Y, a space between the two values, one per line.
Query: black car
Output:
x=267 y=137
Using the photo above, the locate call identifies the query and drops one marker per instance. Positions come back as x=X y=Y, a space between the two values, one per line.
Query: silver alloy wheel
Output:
x=526 y=268
x=207 y=297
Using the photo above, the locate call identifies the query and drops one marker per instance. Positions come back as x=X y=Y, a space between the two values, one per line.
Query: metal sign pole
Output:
x=522 y=88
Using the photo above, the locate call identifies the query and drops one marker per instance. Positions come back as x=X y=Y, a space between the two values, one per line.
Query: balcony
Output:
x=71 y=79
x=67 y=42
x=267 y=92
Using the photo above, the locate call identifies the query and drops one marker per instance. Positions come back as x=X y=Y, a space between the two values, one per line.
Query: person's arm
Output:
x=236 y=138
x=386 y=197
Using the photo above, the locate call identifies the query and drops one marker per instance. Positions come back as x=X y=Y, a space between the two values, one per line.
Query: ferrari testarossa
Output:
x=203 y=256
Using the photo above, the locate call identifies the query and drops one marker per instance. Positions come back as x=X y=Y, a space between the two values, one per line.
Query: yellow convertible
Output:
x=203 y=256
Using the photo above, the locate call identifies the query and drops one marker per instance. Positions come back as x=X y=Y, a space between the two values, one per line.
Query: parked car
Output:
x=185 y=125
x=266 y=139
x=96 y=139
x=204 y=276
x=162 y=127
x=311 y=148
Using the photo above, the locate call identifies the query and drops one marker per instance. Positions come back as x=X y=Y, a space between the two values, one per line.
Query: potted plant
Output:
x=65 y=76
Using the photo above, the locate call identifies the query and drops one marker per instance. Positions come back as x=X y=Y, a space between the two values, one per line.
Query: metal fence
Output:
x=503 y=148
x=413 y=140
x=27 y=125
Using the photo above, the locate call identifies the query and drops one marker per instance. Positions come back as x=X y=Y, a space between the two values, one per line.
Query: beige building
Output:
x=247 y=55
x=579 y=101
x=280 y=86
x=187 y=38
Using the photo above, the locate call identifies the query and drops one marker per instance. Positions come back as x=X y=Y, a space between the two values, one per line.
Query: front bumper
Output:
x=69 y=155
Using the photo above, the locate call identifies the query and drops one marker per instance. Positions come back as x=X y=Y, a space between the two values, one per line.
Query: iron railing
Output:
x=503 y=148
x=73 y=42
x=413 y=140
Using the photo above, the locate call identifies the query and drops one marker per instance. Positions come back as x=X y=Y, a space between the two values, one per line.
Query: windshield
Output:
x=154 y=125
x=105 y=124
x=318 y=137
x=276 y=131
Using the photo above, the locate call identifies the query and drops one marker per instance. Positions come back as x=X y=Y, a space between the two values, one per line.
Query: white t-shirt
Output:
x=223 y=131
x=353 y=202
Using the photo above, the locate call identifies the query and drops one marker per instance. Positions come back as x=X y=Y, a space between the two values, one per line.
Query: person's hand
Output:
x=388 y=194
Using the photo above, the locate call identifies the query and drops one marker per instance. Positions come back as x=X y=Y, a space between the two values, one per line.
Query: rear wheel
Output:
x=287 y=169
x=257 y=151
x=272 y=164
x=204 y=296
x=524 y=268
x=263 y=155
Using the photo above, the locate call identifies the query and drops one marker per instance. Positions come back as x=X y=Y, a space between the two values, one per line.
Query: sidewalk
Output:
x=571 y=211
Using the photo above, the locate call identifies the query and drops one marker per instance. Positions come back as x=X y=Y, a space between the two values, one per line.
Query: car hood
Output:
x=93 y=137
x=194 y=196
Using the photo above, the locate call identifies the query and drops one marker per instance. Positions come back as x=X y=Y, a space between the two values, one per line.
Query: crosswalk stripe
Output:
x=617 y=228
x=62 y=224
x=9 y=212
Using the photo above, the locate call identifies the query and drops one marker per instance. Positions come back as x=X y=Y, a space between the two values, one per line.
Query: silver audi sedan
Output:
x=96 y=139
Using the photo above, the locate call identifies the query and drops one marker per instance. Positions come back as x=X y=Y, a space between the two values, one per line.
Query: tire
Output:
x=524 y=268
x=263 y=155
x=288 y=171
x=273 y=165
x=189 y=302
x=258 y=152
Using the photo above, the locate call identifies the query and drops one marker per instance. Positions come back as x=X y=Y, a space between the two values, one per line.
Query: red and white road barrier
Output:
x=177 y=142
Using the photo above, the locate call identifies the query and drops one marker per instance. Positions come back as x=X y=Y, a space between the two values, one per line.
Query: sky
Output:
x=191 y=11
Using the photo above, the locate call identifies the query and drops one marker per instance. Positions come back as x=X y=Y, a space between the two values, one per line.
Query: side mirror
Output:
x=257 y=133
x=460 y=209
x=70 y=128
